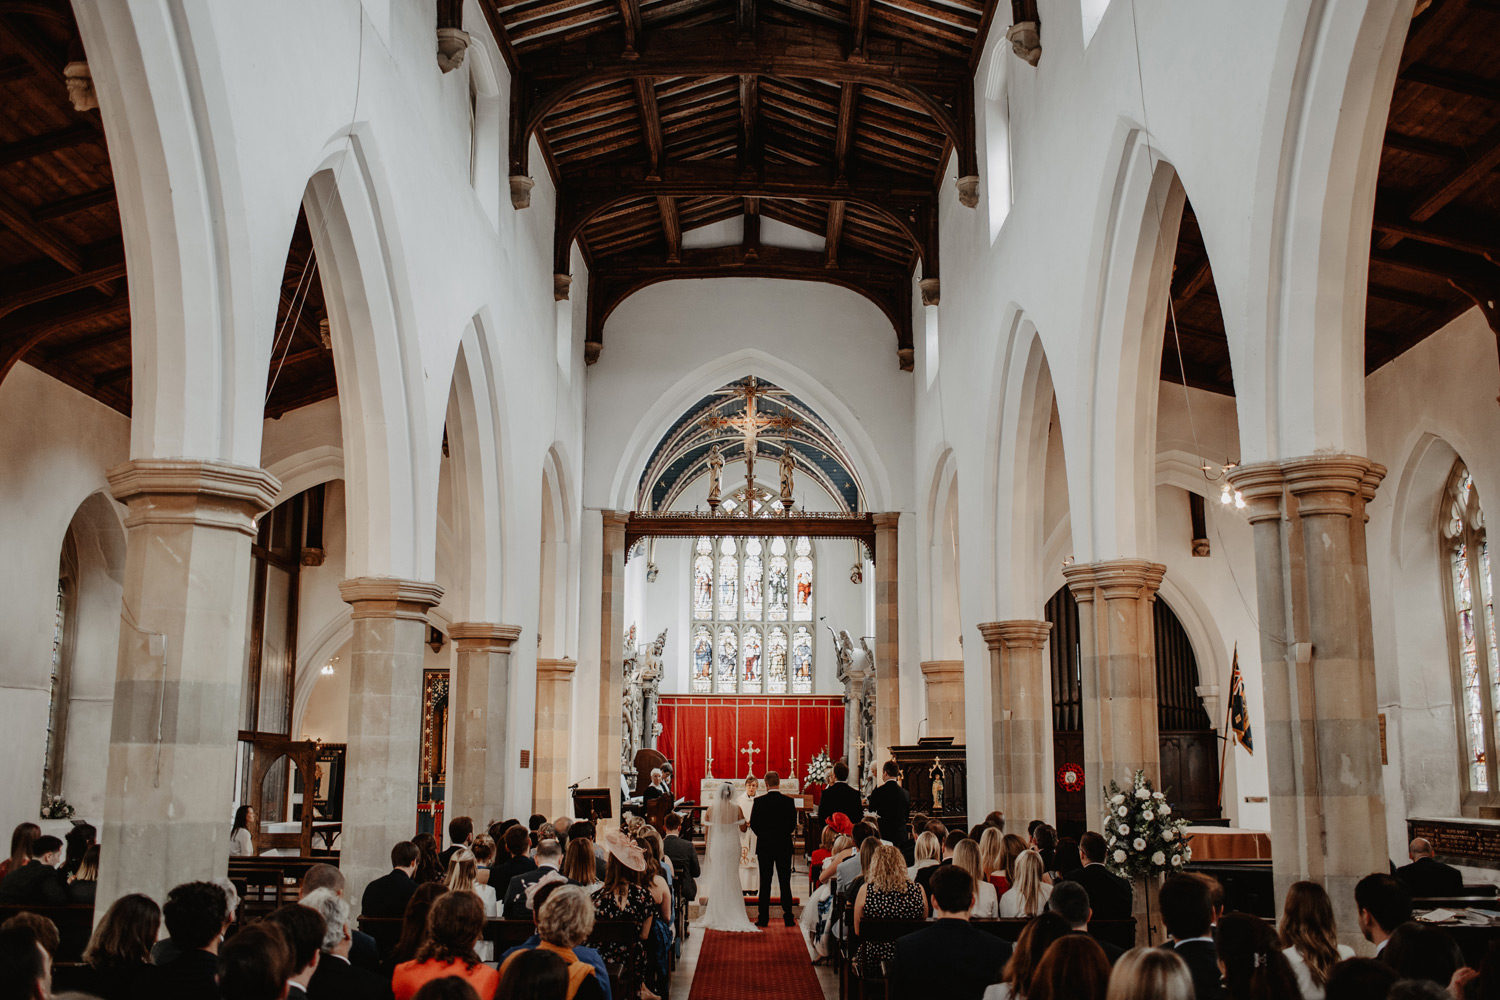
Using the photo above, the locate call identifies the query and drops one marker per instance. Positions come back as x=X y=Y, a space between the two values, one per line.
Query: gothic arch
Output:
x=476 y=471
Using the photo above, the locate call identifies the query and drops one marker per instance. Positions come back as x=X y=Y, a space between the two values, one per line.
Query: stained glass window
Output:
x=739 y=584
x=1473 y=630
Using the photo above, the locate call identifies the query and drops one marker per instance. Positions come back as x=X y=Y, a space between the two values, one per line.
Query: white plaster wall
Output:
x=55 y=445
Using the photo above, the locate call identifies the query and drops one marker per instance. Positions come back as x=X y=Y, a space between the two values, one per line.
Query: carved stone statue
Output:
x=650 y=673
x=632 y=707
x=856 y=671
x=715 y=475
x=788 y=466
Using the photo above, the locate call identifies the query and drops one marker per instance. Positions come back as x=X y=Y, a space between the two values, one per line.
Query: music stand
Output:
x=591 y=803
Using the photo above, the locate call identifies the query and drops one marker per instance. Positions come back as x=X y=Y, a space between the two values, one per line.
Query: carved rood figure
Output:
x=750 y=424
x=788 y=465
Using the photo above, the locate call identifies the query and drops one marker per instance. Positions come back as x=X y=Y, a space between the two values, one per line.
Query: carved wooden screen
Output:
x=1067 y=709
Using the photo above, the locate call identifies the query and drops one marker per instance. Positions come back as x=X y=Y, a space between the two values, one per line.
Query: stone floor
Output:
x=682 y=977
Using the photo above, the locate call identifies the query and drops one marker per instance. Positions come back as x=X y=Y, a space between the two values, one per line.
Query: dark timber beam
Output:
x=630 y=16
x=834 y=233
x=1195 y=282
x=751 y=239
x=1431 y=28
x=750 y=148
x=616 y=278
x=64 y=207
x=671 y=227
x=29 y=326
x=48 y=142
x=859 y=26
x=936 y=86
x=907 y=204
x=1480 y=161
x=1472 y=236
x=29 y=290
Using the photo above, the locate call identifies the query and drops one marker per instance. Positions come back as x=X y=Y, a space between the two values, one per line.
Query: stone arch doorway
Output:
x=1187 y=740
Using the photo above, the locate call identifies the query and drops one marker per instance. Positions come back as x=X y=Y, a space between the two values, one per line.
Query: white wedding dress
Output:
x=726 y=902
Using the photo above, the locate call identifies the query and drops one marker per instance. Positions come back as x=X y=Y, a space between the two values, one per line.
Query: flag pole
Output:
x=1228 y=715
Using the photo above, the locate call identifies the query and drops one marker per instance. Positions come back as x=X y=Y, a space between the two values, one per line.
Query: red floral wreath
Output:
x=1070 y=777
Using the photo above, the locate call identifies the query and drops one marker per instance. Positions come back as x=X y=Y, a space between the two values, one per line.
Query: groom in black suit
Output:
x=773 y=818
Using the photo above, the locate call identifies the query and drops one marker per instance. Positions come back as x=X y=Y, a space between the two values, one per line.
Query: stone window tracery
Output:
x=1471 y=624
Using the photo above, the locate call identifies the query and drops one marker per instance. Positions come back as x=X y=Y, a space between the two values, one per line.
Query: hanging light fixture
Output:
x=327 y=670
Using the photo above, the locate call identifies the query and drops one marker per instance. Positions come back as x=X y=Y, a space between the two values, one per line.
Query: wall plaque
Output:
x=1476 y=844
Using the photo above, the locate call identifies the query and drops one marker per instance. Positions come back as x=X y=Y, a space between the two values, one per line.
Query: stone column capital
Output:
x=1262 y=484
x=482 y=637
x=1018 y=633
x=187 y=491
x=390 y=597
x=943 y=670
x=1114 y=579
x=886 y=521
x=614 y=519
x=555 y=670
x=1330 y=484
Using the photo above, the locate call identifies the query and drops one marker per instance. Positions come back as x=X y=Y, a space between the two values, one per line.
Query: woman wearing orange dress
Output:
x=454 y=927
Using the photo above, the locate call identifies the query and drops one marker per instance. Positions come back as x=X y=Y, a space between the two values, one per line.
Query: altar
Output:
x=708 y=788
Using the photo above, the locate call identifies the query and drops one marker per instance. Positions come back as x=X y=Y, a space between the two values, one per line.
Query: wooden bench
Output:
x=74 y=922
x=267 y=882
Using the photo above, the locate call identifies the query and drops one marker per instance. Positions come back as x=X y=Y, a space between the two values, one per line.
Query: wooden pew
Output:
x=267 y=882
x=74 y=921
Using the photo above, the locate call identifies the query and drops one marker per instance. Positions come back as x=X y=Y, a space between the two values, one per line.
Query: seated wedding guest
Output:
x=1070 y=901
x=1012 y=847
x=517 y=861
x=460 y=834
x=304 y=931
x=1423 y=951
x=85 y=877
x=430 y=868
x=848 y=890
x=196 y=915
x=686 y=868
x=565 y=921
x=517 y=904
x=336 y=978
x=388 y=895
x=25 y=968
x=996 y=819
x=77 y=842
x=986 y=899
x=927 y=852
x=1074 y=968
x=461 y=877
x=1251 y=960
x=886 y=895
x=1069 y=858
x=992 y=857
x=1359 y=979
x=1036 y=937
x=534 y=824
x=1216 y=894
x=1044 y=842
x=819 y=858
x=241 y=841
x=165 y=949
x=364 y=952
x=949 y=958
x=562 y=825
x=950 y=841
x=447 y=988
x=668 y=870
x=20 y=847
x=255 y=964
x=1109 y=894
x=579 y=864
x=41 y=928
x=584 y=830
x=849 y=869
x=484 y=859
x=117 y=962
x=535 y=974
x=937 y=829
x=919 y=823
x=1028 y=894
x=1383 y=904
x=413 y=928
x=38 y=882
x=1150 y=974
x=454 y=926
x=1426 y=875
x=1187 y=914
x=659 y=944
x=622 y=897
x=1309 y=937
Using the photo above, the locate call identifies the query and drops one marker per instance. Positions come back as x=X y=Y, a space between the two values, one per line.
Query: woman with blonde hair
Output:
x=928 y=852
x=1150 y=974
x=1028 y=894
x=463 y=876
x=992 y=856
x=1310 y=937
x=886 y=895
x=843 y=846
x=986 y=899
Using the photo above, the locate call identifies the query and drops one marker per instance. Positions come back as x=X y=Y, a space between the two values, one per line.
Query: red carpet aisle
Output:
x=771 y=964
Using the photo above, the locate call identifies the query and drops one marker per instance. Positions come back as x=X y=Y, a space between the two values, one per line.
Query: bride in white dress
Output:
x=724 y=821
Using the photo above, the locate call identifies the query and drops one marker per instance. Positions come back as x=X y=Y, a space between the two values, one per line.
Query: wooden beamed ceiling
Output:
x=1436 y=239
x=835 y=117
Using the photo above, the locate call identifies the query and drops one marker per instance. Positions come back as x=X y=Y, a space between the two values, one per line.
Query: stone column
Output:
x=611 y=652
x=887 y=639
x=554 y=724
x=1118 y=667
x=945 y=697
x=1020 y=712
x=1322 y=721
x=385 y=720
x=179 y=670
x=478 y=705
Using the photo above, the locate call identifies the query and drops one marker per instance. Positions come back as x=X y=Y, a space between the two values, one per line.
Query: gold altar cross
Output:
x=750 y=424
x=750 y=750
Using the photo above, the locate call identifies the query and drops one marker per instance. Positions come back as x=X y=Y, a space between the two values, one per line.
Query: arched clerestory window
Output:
x=1471 y=627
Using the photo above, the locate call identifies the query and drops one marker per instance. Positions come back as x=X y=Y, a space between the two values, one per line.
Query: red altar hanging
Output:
x=771 y=723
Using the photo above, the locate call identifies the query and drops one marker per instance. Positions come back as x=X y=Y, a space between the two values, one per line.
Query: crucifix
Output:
x=750 y=424
x=750 y=750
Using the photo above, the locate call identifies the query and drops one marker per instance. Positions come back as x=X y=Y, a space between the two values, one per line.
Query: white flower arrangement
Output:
x=56 y=807
x=1145 y=840
x=819 y=768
